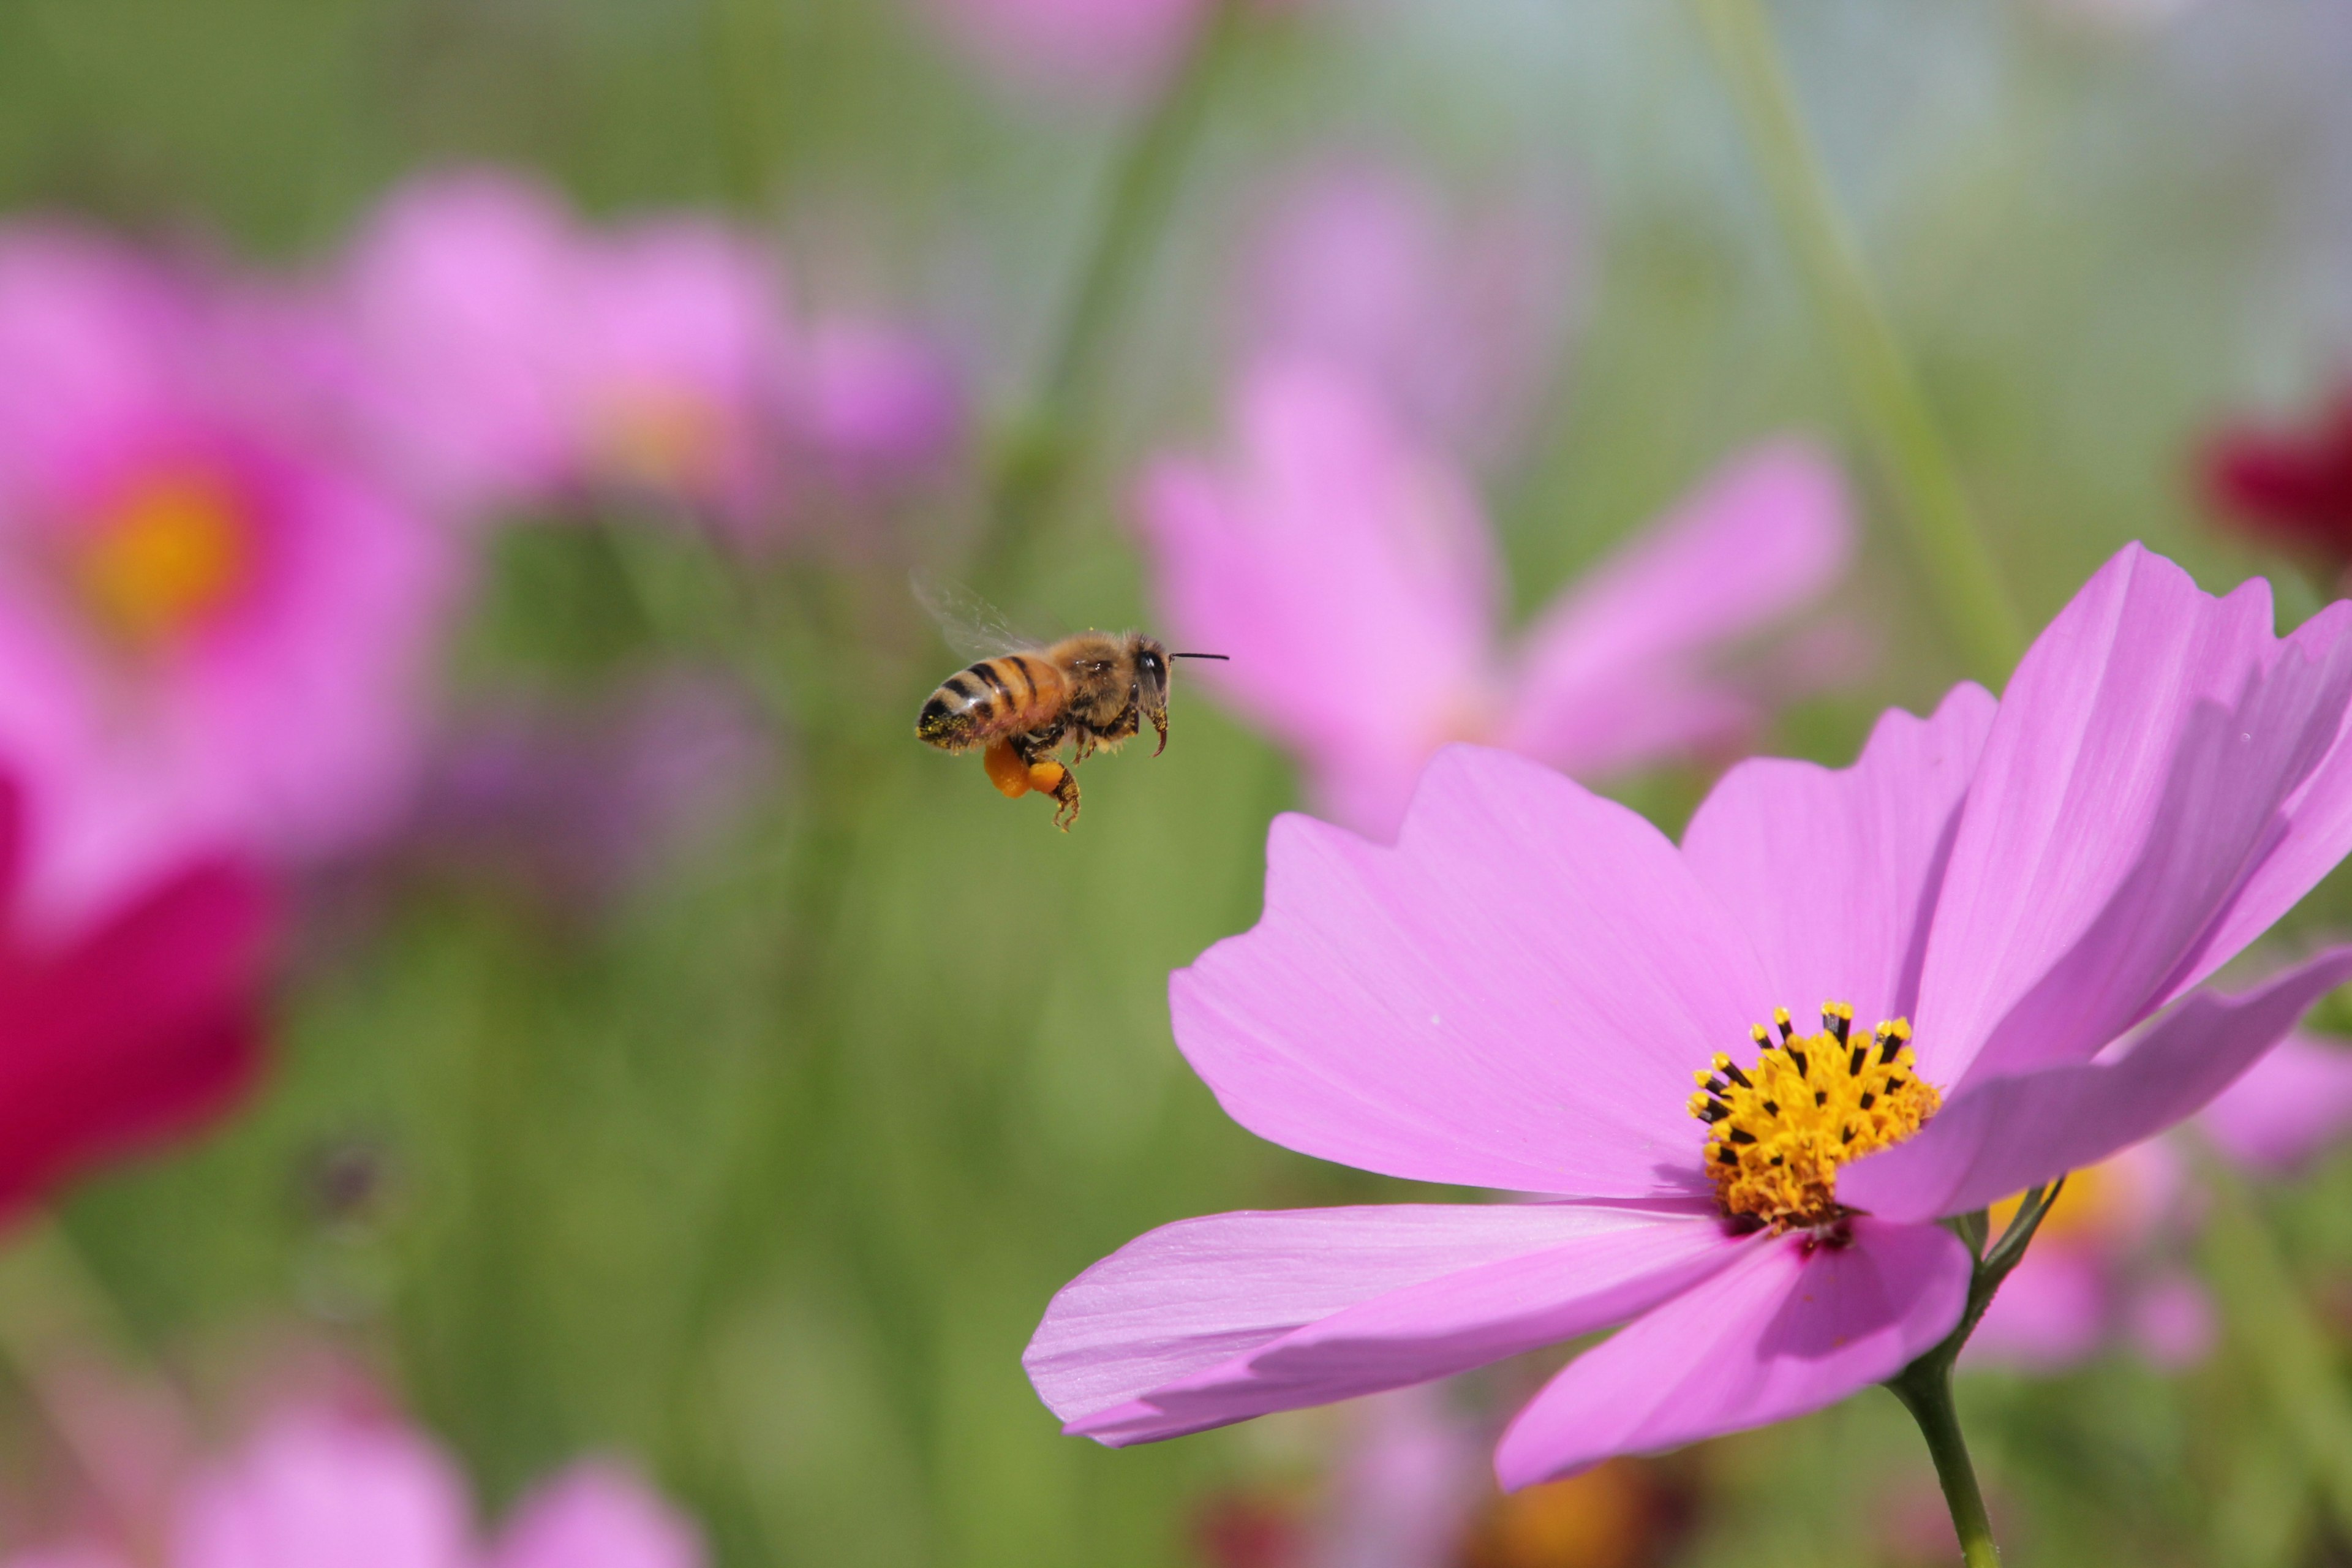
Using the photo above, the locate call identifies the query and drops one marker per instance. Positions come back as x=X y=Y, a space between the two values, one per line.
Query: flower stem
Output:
x=1925 y=1390
x=1039 y=458
x=1924 y=1386
x=1940 y=525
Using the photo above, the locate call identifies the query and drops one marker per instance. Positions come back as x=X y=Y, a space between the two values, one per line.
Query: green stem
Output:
x=1924 y=1386
x=1040 y=458
x=1925 y=1390
x=2275 y=1331
x=1940 y=525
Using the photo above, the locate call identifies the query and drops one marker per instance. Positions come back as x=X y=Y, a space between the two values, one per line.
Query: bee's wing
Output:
x=968 y=623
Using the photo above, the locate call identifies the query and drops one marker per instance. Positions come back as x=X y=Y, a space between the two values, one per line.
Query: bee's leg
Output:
x=1063 y=785
x=1160 y=723
x=1038 y=770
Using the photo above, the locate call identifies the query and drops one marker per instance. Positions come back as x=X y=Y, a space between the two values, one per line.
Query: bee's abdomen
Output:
x=996 y=697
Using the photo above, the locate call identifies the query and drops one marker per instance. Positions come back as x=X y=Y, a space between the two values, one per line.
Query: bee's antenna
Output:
x=1220 y=656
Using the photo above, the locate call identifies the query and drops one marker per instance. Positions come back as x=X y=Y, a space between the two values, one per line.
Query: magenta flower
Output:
x=212 y=630
x=1520 y=994
x=1457 y=323
x=516 y=359
x=315 y=1488
x=143 y=1024
x=1347 y=573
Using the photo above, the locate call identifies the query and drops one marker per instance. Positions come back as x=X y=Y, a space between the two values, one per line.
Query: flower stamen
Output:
x=1778 y=1131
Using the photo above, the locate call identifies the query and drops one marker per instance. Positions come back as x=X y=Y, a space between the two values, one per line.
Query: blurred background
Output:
x=462 y=466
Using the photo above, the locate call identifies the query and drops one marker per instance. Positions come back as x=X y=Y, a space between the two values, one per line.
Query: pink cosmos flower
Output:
x=1458 y=324
x=315 y=1488
x=140 y=1024
x=877 y=404
x=515 y=358
x=212 y=631
x=1347 y=573
x=1519 y=993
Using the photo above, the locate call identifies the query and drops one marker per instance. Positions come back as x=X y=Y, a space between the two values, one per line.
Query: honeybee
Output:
x=1094 y=691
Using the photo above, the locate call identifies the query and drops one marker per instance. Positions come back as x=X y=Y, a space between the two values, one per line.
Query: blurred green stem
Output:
x=1940 y=525
x=2275 y=1331
x=1040 y=455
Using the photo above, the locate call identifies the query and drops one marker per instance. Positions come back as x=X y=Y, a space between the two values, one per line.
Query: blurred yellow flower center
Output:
x=1778 y=1131
x=659 y=437
x=2095 y=1203
x=174 y=550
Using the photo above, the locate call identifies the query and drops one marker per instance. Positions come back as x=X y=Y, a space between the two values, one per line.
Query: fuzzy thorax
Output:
x=1778 y=1131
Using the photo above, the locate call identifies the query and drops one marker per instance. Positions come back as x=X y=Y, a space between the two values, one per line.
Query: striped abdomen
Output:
x=1010 y=695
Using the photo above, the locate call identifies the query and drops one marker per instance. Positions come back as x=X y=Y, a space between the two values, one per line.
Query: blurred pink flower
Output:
x=2098 y=1254
x=517 y=358
x=1518 y=994
x=1459 y=325
x=2294 y=1104
x=1409 y=1482
x=877 y=403
x=2105 y=1267
x=315 y=1489
x=212 y=630
x=140 y=1024
x=580 y=801
x=1347 y=573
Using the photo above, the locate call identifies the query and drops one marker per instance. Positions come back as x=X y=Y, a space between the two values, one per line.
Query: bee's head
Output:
x=1151 y=658
x=1152 y=661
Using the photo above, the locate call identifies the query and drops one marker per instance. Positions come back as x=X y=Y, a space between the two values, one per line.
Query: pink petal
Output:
x=316 y=1490
x=597 y=1515
x=2000 y=1135
x=1213 y=1320
x=2287 y=1108
x=1791 y=1328
x=1628 y=639
x=1514 y=997
x=1835 y=873
x=2129 y=797
x=1345 y=570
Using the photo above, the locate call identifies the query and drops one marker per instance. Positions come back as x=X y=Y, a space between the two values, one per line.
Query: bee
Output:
x=1094 y=691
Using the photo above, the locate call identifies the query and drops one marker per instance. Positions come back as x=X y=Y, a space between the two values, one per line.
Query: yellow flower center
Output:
x=174 y=549
x=1778 y=1131
x=670 y=439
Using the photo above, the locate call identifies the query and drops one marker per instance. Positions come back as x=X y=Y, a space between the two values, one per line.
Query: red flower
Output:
x=140 y=1024
x=2294 y=487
